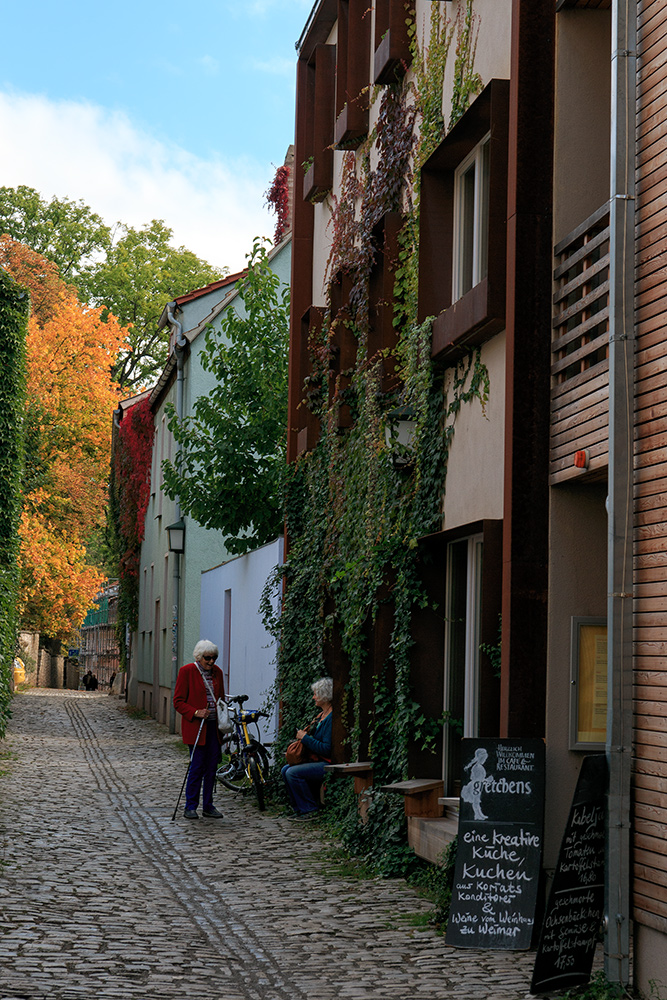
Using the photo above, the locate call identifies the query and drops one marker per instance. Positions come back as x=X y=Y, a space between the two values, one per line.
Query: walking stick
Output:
x=188 y=770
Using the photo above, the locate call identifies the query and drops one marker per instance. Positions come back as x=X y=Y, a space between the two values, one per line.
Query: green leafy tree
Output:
x=130 y=273
x=229 y=472
x=68 y=233
x=142 y=271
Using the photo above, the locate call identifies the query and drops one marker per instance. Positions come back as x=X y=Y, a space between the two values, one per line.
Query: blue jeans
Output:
x=303 y=785
x=203 y=767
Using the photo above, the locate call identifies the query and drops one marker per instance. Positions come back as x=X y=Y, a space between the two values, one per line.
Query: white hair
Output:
x=204 y=646
x=323 y=688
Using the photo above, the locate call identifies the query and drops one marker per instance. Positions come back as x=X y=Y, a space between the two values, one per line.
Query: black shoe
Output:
x=304 y=817
x=212 y=813
x=191 y=814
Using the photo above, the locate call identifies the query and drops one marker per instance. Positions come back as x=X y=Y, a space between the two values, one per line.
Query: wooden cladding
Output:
x=580 y=350
x=352 y=73
x=392 y=45
x=650 y=480
x=320 y=123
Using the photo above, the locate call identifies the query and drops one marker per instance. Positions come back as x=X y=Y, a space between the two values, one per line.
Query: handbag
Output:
x=296 y=752
x=225 y=722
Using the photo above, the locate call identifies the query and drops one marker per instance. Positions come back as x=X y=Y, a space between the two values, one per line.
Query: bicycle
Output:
x=245 y=761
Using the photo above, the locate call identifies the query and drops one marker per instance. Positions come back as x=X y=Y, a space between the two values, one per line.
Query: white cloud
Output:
x=82 y=151
x=210 y=65
x=276 y=67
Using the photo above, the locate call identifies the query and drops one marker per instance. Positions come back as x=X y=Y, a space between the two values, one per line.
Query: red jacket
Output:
x=190 y=695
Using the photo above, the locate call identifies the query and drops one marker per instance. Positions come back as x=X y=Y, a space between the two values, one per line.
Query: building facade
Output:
x=170 y=582
x=540 y=256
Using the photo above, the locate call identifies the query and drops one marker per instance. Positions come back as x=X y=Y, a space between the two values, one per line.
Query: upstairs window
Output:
x=471 y=220
x=463 y=227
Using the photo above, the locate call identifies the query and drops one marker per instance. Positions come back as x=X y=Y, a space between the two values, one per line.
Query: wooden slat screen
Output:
x=580 y=348
x=650 y=492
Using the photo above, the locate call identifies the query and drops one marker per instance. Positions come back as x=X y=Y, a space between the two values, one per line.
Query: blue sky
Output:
x=153 y=110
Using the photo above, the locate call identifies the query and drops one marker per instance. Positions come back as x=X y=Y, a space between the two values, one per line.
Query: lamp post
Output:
x=176 y=536
x=176 y=533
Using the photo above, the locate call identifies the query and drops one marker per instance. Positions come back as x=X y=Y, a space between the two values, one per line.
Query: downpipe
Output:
x=620 y=509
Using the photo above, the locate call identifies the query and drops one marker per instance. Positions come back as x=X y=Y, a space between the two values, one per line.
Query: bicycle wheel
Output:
x=257 y=781
x=232 y=772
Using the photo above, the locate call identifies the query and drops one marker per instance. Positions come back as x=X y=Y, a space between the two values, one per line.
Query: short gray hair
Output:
x=323 y=688
x=205 y=646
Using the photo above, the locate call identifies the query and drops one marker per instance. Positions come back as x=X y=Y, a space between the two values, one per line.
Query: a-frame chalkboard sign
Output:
x=499 y=846
x=576 y=900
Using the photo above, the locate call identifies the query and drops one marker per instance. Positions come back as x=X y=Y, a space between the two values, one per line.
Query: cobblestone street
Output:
x=103 y=896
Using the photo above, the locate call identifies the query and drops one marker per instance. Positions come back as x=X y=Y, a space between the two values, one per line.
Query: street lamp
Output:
x=176 y=533
x=399 y=432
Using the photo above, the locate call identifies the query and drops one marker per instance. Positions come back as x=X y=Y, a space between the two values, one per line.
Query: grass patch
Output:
x=6 y=755
x=136 y=713
x=599 y=988
x=336 y=862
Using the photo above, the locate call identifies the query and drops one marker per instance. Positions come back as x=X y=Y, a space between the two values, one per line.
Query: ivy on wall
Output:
x=129 y=495
x=353 y=519
x=14 y=312
x=277 y=198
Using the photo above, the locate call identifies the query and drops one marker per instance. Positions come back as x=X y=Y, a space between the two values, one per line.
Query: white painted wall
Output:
x=474 y=485
x=252 y=653
x=493 y=19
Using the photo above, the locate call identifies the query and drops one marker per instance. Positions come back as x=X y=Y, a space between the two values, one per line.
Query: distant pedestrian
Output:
x=111 y=680
x=93 y=683
x=198 y=687
x=87 y=680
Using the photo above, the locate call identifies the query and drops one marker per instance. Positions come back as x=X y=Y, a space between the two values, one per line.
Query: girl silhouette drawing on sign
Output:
x=472 y=792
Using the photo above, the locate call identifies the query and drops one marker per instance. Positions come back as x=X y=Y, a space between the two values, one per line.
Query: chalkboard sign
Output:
x=499 y=844
x=576 y=900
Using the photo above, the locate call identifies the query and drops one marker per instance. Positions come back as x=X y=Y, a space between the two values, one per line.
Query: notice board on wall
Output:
x=499 y=848
x=576 y=899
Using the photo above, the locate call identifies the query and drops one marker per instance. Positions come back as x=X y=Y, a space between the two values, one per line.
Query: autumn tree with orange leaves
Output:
x=70 y=401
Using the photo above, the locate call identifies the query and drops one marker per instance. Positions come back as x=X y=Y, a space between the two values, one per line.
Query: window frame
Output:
x=478 y=159
x=474 y=596
x=480 y=313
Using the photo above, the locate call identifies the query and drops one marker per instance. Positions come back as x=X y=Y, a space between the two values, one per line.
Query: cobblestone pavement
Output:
x=103 y=897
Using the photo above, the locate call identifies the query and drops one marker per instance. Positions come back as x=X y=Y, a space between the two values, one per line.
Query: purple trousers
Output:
x=203 y=767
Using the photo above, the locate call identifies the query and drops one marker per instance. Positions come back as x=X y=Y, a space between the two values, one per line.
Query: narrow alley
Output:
x=103 y=897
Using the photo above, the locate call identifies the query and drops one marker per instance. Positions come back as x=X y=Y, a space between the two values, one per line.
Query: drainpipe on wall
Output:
x=620 y=522
x=180 y=344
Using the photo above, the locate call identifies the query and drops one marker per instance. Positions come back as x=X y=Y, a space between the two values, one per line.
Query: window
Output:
x=462 y=649
x=471 y=220
x=352 y=73
x=392 y=46
x=319 y=123
x=463 y=226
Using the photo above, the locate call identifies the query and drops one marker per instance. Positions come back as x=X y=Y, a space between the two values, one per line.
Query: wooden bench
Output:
x=422 y=796
x=362 y=772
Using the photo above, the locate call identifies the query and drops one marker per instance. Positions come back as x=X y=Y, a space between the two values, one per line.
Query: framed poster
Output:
x=588 y=684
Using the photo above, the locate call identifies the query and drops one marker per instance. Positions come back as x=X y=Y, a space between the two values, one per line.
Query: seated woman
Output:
x=303 y=780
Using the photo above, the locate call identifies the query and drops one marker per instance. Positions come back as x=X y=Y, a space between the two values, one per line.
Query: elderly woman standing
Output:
x=198 y=687
x=303 y=780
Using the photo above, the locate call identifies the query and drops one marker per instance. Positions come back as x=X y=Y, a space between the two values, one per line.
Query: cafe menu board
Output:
x=576 y=900
x=499 y=846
